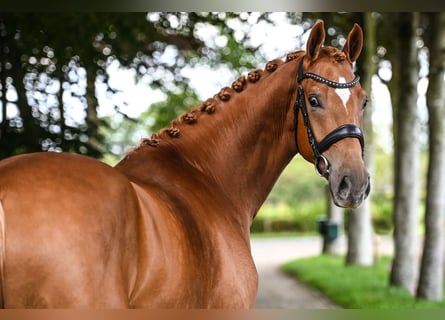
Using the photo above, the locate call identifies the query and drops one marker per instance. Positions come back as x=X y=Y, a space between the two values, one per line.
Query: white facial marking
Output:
x=344 y=94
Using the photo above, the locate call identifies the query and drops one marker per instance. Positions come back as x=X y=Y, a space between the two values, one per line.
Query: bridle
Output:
x=342 y=132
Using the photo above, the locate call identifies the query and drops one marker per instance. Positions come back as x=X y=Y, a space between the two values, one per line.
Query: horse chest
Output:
x=215 y=278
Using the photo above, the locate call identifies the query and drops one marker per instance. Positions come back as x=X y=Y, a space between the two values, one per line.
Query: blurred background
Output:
x=96 y=83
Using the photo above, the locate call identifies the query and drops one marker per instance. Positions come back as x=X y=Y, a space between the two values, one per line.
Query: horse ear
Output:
x=315 y=41
x=354 y=44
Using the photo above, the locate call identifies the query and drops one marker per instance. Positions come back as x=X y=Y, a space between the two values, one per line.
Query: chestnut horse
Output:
x=168 y=227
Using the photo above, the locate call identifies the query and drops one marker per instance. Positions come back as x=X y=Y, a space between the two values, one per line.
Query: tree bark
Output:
x=31 y=132
x=3 y=76
x=335 y=216
x=360 y=233
x=92 y=119
x=406 y=156
x=432 y=267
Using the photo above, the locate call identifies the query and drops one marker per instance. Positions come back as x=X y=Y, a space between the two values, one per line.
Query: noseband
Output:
x=342 y=132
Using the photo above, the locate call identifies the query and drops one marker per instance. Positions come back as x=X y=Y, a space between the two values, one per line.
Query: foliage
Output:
x=298 y=199
x=298 y=172
x=295 y=203
x=381 y=213
x=355 y=287
x=165 y=111
x=52 y=71
x=124 y=132
x=47 y=70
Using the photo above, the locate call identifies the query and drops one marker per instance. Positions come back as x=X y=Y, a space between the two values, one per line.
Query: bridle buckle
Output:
x=326 y=165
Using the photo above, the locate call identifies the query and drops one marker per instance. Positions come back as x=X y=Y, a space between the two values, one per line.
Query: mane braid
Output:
x=209 y=106
x=335 y=54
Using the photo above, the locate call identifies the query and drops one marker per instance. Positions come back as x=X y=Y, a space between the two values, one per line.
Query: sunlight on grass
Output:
x=353 y=286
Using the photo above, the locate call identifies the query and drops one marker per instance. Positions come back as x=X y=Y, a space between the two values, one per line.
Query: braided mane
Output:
x=210 y=105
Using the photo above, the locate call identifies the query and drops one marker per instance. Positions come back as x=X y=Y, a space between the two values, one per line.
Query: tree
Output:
x=403 y=87
x=42 y=59
x=360 y=233
x=46 y=57
x=432 y=265
x=359 y=224
x=335 y=216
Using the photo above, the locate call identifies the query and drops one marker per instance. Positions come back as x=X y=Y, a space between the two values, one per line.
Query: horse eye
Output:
x=365 y=102
x=313 y=100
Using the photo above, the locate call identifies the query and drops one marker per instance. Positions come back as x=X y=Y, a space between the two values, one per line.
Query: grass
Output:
x=355 y=287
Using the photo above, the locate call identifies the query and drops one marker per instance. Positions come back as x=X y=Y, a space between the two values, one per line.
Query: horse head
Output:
x=328 y=115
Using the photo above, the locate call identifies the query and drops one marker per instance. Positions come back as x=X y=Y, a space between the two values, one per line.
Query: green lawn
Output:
x=355 y=287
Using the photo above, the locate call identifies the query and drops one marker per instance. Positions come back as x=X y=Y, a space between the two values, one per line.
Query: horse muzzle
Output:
x=349 y=190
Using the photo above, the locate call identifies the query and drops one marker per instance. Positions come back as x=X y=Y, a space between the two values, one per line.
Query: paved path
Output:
x=276 y=289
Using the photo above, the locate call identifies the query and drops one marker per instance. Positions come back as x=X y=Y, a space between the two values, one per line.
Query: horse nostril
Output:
x=368 y=187
x=344 y=188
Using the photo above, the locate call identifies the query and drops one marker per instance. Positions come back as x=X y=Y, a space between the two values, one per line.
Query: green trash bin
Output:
x=322 y=224
x=331 y=230
x=328 y=229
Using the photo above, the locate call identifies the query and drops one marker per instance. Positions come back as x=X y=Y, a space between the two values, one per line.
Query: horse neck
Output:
x=242 y=147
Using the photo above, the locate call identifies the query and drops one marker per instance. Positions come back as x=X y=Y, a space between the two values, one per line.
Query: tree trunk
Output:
x=3 y=76
x=335 y=217
x=432 y=268
x=62 y=122
x=360 y=244
x=360 y=233
x=92 y=119
x=31 y=135
x=406 y=156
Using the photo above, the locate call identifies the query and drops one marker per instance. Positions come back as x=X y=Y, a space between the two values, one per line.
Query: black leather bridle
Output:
x=342 y=132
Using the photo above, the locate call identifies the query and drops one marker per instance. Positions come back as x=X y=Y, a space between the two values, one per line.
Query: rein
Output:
x=342 y=132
